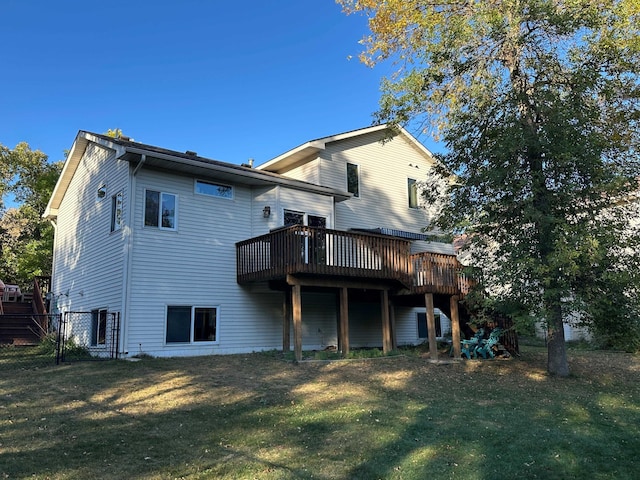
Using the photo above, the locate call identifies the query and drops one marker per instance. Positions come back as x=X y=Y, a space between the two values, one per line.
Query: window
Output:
x=293 y=218
x=160 y=210
x=186 y=324
x=98 y=327
x=214 y=189
x=423 y=332
x=412 y=188
x=353 y=179
x=116 y=212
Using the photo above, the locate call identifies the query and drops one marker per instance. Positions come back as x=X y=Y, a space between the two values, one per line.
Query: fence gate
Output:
x=91 y=335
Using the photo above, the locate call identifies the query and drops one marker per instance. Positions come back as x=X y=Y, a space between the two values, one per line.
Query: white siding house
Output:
x=202 y=257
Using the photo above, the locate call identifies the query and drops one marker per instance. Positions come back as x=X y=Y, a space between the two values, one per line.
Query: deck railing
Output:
x=439 y=273
x=325 y=252
x=319 y=251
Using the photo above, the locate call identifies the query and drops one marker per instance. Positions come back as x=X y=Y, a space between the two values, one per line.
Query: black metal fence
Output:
x=28 y=341
x=37 y=341
x=93 y=335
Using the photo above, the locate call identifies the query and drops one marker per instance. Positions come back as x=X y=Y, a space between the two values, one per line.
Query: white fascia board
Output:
x=292 y=156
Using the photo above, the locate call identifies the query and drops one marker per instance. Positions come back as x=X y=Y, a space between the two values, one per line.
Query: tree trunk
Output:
x=557 y=363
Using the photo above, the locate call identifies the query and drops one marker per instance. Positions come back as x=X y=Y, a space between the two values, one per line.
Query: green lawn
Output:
x=258 y=416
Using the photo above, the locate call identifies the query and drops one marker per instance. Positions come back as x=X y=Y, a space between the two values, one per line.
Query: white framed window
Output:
x=160 y=210
x=415 y=193
x=98 y=327
x=190 y=324
x=412 y=192
x=116 y=212
x=214 y=189
x=353 y=179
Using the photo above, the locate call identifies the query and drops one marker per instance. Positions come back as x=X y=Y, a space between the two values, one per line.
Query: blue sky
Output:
x=229 y=80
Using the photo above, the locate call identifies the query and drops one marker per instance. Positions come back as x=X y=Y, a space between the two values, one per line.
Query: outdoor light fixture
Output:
x=266 y=211
x=102 y=191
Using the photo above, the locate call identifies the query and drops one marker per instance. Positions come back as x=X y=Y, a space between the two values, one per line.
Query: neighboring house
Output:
x=321 y=246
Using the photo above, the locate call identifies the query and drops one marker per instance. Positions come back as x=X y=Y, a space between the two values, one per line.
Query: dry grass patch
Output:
x=257 y=416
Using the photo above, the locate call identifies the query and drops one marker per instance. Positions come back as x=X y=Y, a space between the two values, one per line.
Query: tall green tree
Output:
x=26 y=240
x=537 y=102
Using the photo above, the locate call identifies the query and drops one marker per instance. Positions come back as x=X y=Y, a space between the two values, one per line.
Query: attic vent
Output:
x=191 y=153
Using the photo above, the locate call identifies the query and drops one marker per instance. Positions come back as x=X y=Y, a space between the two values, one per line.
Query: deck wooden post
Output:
x=296 y=305
x=392 y=322
x=387 y=344
x=286 y=322
x=455 y=327
x=431 y=327
x=343 y=332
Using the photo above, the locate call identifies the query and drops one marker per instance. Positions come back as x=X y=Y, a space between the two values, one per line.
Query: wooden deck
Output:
x=349 y=256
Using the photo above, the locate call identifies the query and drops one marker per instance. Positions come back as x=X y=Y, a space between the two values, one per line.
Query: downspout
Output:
x=54 y=224
x=128 y=258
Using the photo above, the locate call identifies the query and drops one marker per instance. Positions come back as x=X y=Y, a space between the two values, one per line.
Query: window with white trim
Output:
x=116 y=212
x=160 y=210
x=214 y=189
x=412 y=190
x=188 y=324
x=353 y=179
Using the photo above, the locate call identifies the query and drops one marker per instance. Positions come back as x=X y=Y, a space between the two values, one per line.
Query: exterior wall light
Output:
x=266 y=211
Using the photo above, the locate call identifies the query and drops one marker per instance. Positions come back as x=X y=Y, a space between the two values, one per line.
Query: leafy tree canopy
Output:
x=26 y=240
x=538 y=103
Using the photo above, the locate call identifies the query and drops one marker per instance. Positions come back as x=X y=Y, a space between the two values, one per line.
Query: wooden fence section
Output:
x=318 y=251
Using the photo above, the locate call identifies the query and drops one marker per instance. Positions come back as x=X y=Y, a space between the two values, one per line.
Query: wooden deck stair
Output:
x=17 y=326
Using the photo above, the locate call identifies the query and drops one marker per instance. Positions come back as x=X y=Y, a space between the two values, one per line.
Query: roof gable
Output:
x=310 y=149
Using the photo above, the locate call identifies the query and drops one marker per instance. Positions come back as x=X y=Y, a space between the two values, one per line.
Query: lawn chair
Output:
x=469 y=346
x=486 y=347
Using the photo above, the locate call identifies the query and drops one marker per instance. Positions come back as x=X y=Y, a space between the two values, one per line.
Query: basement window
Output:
x=188 y=324
x=423 y=332
x=98 y=327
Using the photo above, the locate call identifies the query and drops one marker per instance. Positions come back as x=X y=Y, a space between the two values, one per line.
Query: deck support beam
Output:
x=286 y=322
x=431 y=327
x=387 y=341
x=455 y=327
x=343 y=331
x=392 y=322
x=296 y=305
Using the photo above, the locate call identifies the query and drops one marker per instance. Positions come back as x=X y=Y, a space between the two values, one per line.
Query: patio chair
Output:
x=469 y=346
x=486 y=347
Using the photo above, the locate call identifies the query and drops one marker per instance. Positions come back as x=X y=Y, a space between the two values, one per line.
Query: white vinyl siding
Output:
x=196 y=265
x=384 y=168
x=88 y=259
x=383 y=173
